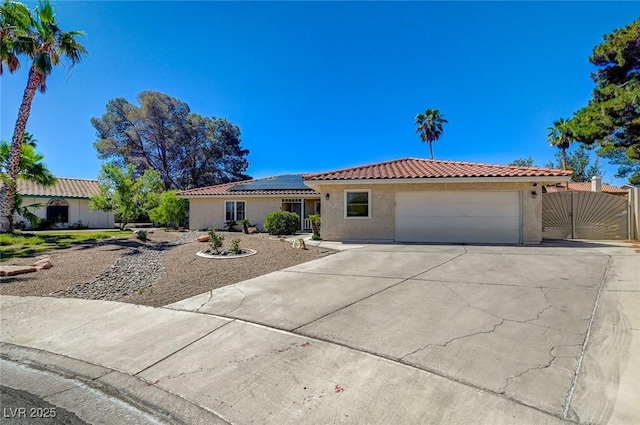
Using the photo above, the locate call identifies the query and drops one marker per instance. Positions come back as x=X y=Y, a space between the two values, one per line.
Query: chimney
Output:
x=596 y=184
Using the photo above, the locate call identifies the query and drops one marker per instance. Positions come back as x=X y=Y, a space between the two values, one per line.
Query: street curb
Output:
x=143 y=395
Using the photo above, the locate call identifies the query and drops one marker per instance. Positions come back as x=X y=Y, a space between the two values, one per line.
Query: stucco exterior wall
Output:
x=381 y=225
x=78 y=212
x=205 y=212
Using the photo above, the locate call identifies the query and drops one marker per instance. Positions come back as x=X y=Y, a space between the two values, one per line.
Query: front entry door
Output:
x=296 y=207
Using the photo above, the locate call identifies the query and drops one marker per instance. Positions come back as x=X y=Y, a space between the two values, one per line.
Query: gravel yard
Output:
x=161 y=271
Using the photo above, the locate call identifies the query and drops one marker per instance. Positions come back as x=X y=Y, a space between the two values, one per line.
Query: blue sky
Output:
x=316 y=86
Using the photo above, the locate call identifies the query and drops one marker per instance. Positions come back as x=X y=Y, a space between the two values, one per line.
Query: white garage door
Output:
x=480 y=217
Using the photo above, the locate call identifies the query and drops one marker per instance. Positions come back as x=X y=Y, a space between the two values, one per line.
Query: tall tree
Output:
x=15 y=23
x=561 y=136
x=578 y=161
x=187 y=149
x=430 y=126
x=611 y=119
x=46 y=45
x=627 y=167
x=125 y=194
x=523 y=162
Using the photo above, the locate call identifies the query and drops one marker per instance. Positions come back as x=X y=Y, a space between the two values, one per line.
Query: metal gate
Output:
x=584 y=215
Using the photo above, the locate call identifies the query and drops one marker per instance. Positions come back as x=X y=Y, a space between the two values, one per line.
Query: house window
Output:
x=234 y=210
x=58 y=211
x=357 y=204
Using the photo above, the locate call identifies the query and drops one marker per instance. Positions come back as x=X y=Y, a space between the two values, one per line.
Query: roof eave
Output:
x=31 y=195
x=314 y=184
x=240 y=195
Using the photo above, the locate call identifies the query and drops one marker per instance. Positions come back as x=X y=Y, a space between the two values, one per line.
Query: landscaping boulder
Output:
x=204 y=238
x=253 y=229
x=299 y=244
x=15 y=270
x=43 y=262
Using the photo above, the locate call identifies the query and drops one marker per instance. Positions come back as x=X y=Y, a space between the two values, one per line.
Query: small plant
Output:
x=315 y=223
x=282 y=223
x=216 y=240
x=235 y=246
x=316 y=237
x=245 y=223
x=141 y=234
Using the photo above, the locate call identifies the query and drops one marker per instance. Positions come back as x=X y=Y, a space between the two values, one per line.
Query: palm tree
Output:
x=561 y=135
x=31 y=169
x=15 y=21
x=430 y=126
x=45 y=44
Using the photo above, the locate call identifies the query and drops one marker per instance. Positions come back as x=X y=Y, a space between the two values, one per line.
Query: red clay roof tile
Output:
x=64 y=188
x=409 y=168
x=223 y=190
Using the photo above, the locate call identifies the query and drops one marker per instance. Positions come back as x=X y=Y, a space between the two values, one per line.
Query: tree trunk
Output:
x=564 y=159
x=8 y=190
x=431 y=149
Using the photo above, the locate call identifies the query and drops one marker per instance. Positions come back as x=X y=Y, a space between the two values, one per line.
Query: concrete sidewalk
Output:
x=231 y=371
x=378 y=334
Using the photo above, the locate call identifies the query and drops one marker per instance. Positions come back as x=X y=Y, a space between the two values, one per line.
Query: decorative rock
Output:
x=45 y=263
x=204 y=238
x=299 y=244
x=140 y=268
x=253 y=229
x=16 y=270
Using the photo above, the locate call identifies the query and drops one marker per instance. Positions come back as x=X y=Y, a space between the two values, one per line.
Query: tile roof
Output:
x=64 y=188
x=287 y=187
x=586 y=187
x=418 y=168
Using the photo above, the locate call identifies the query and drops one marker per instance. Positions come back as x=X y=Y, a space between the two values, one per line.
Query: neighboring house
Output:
x=65 y=204
x=586 y=187
x=251 y=199
x=405 y=200
x=419 y=200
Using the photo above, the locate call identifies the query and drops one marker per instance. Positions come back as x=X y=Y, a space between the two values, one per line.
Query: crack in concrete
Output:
x=244 y=297
x=549 y=305
x=554 y=357
x=206 y=302
x=502 y=320
x=454 y=339
x=539 y=367
x=574 y=381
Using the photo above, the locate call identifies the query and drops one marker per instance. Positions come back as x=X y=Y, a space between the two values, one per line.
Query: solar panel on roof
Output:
x=287 y=181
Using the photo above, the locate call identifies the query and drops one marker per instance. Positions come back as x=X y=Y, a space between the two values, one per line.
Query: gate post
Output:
x=572 y=216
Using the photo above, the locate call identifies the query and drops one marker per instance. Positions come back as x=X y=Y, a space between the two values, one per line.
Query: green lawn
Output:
x=14 y=245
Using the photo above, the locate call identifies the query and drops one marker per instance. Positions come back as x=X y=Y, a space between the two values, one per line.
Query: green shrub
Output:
x=172 y=211
x=141 y=234
x=316 y=237
x=235 y=246
x=282 y=223
x=216 y=240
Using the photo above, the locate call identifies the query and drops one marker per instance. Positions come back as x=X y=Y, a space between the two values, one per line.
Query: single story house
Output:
x=404 y=200
x=420 y=200
x=65 y=204
x=251 y=199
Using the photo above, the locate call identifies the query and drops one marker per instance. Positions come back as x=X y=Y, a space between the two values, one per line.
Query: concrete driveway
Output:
x=517 y=322
x=378 y=334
